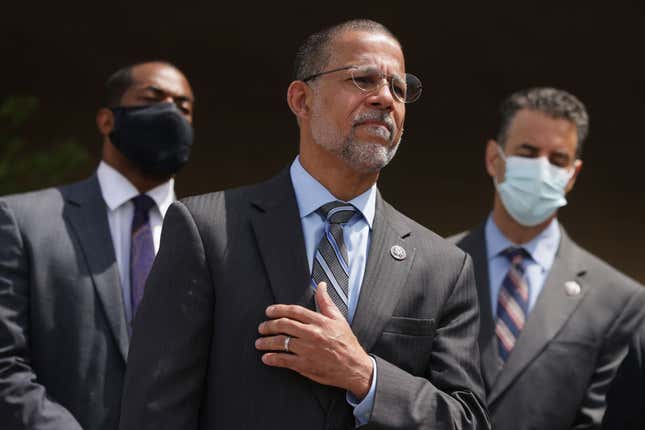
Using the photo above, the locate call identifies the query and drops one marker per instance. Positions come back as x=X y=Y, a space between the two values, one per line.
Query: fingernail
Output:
x=270 y=309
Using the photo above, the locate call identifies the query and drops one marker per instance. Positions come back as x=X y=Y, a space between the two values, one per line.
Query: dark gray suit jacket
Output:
x=226 y=256
x=63 y=334
x=626 y=396
x=559 y=371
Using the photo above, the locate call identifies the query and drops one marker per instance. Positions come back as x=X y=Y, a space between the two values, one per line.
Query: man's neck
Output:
x=342 y=181
x=141 y=181
x=511 y=229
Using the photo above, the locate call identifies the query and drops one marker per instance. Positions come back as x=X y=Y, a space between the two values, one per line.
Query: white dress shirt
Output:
x=117 y=192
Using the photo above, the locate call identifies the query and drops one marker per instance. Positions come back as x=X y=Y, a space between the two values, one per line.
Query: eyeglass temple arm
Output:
x=316 y=75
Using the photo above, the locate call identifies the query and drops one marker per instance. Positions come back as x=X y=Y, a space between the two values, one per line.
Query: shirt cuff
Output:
x=363 y=409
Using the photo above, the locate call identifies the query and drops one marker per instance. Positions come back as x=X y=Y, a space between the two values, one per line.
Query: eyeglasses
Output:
x=369 y=78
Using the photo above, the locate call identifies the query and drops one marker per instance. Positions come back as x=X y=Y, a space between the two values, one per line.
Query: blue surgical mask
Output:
x=533 y=188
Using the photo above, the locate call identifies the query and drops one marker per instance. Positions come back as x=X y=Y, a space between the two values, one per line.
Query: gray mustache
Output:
x=380 y=116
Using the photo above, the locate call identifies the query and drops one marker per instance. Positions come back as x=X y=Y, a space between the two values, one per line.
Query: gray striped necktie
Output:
x=331 y=264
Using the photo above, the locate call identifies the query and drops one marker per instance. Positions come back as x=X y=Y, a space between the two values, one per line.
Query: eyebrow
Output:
x=529 y=147
x=159 y=91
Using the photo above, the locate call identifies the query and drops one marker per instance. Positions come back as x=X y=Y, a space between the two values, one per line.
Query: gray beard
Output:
x=367 y=156
x=364 y=156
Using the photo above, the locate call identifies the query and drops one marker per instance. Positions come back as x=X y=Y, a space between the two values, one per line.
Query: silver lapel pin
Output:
x=398 y=252
x=572 y=288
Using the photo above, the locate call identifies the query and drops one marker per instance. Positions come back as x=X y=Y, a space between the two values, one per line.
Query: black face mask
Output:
x=157 y=137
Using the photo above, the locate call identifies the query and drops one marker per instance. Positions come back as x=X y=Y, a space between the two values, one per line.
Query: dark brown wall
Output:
x=238 y=59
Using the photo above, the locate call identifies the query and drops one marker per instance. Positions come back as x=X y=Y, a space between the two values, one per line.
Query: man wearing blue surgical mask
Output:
x=554 y=319
x=74 y=259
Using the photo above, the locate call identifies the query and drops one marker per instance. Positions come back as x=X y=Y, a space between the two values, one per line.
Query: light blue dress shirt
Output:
x=542 y=250
x=311 y=195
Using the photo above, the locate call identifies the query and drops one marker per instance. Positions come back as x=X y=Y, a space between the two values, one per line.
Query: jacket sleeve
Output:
x=172 y=333
x=626 y=396
x=449 y=396
x=24 y=403
x=612 y=353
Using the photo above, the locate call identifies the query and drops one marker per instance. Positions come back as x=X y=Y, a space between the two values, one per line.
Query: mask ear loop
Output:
x=500 y=151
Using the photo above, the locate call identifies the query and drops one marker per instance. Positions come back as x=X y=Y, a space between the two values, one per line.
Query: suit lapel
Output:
x=278 y=231
x=384 y=275
x=475 y=245
x=86 y=213
x=477 y=250
x=551 y=311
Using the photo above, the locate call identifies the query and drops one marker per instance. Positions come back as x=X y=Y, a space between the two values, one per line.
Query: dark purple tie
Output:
x=142 y=251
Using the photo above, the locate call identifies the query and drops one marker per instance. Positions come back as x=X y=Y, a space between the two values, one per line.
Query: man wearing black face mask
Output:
x=74 y=259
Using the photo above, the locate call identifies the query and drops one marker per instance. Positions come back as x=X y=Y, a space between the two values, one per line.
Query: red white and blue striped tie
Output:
x=512 y=303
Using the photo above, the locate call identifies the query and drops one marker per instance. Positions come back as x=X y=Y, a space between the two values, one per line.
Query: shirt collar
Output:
x=311 y=194
x=118 y=190
x=542 y=248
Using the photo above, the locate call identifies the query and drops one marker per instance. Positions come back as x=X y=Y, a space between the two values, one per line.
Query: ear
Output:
x=494 y=163
x=105 y=121
x=299 y=98
x=577 y=166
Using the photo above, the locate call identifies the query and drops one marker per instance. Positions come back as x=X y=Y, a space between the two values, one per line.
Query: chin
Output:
x=368 y=156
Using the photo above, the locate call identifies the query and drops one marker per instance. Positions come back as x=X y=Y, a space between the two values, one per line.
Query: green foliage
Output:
x=22 y=165
x=17 y=110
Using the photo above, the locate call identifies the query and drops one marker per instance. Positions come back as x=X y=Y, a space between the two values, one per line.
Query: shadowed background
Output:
x=238 y=59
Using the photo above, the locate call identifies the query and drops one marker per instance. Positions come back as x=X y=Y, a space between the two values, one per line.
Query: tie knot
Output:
x=515 y=254
x=142 y=203
x=337 y=212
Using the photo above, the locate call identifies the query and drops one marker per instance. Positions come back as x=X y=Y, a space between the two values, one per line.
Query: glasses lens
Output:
x=406 y=90
x=366 y=78
x=399 y=88
x=413 y=88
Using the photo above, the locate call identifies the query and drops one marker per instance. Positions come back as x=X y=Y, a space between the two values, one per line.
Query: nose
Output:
x=181 y=104
x=170 y=99
x=382 y=97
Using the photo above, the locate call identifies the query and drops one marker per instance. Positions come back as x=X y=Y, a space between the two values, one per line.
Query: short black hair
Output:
x=557 y=104
x=313 y=54
x=120 y=81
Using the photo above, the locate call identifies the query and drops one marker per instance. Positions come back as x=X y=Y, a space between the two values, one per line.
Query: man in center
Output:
x=308 y=301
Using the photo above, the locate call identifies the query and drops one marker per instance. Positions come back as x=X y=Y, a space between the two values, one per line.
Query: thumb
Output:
x=325 y=305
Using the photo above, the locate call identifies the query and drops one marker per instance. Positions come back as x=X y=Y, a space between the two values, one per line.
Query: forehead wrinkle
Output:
x=368 y=49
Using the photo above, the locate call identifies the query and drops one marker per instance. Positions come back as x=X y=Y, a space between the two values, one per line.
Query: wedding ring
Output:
x=286 y=343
